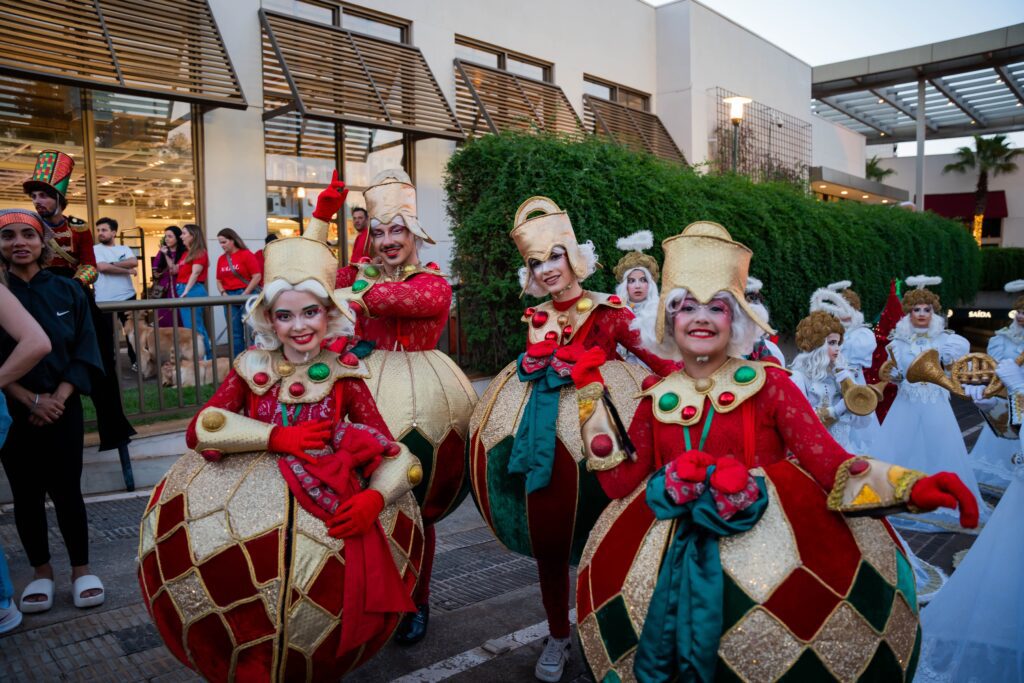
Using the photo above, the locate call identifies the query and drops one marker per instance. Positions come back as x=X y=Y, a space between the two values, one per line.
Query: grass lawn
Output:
x=130 y=400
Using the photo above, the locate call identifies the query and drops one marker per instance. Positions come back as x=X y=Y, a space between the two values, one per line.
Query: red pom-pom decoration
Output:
x=601 y=445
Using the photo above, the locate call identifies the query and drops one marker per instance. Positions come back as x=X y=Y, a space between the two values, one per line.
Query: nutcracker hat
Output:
x=52 y=172
x=306 y=257
x=536 y=237
x=705 y=260
x=636 y=244
x=921 y=294
x=392 y=195
x=1016 y=287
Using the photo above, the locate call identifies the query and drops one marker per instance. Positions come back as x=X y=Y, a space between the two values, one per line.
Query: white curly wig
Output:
x=265 y=338
x=743 y=333
x=534 y=288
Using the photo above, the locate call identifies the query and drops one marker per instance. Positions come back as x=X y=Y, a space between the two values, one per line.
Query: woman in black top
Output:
x=43 y=452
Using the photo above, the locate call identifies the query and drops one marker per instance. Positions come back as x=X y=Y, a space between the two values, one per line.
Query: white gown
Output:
x=920 y=431
x=846 y=430
x=859 y=345
x=973 y=630
x=992 y=455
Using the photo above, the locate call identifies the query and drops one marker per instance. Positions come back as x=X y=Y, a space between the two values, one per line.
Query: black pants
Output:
x=47 y=460
x=108 y=330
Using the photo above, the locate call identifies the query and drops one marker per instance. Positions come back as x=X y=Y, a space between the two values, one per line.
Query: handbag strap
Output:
x=237 y=274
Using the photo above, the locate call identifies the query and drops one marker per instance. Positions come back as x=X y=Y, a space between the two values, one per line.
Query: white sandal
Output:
x=85 y=583
x=38 y=587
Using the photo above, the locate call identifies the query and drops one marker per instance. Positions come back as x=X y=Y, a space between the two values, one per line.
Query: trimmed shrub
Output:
x=799 y=243
x=999 y=265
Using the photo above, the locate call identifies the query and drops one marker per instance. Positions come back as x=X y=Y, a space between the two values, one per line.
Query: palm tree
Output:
x=872 y=171
x=990 y=155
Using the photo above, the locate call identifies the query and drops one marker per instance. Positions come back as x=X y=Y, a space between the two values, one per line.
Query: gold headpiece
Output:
x=537 y=237
x=297 y=259
x=635 y=245
x=705 y=260
x=393 y=194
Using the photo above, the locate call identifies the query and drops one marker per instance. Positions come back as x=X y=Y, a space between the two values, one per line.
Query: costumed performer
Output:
x=74 y=258
x=527 y=471
x=403 y=307
x=993 y=453
x=637 y=276
x=973 y=630
x=765 y=347
x=859 y=343
x=286 y=545
x=920 y=430
x=721 y=553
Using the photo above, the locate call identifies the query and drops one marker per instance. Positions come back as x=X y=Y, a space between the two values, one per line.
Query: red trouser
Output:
x=422 y=595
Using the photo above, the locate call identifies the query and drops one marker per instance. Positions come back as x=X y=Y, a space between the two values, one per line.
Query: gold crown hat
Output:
x=306 y=257
x=1016 y=287
x=538 y=236
x=391 y=194
x=705 y=260
x=635 y=245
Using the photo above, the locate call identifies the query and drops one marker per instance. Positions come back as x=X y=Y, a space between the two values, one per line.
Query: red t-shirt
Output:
x=185 y=268
x=245 y=264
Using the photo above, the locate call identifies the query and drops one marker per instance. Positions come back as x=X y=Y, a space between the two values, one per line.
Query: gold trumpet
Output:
x=971 y=369
x=860 y=399
x=884 y=374
x=928 y=368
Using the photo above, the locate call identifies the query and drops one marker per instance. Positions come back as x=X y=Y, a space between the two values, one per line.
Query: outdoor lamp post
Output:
x=736 y=103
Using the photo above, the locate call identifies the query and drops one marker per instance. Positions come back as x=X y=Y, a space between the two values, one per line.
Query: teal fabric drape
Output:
x=684 y=620
x=533 y=452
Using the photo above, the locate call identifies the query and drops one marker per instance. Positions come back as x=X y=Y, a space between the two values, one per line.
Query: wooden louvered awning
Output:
x=333 y=74
x=631 y=128
x=490 y=100
x=163 y=48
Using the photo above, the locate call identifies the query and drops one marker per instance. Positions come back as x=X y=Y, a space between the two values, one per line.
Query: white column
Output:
x=919 y=182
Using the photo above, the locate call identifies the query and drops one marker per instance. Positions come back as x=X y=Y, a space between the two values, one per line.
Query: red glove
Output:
x=946 y=490
x=692 y=465
x=586 y=368
x=364 y=448
x=541 y=349
x=330 y=200
x=296 y=440
x=356 y=515
x=730 y=476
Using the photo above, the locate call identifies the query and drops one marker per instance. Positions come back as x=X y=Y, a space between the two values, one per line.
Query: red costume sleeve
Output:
x=421 y=296
x=622 y=480
x=83 y=248
x=358 y=405
x=359 y=247
x=801 y=430
x=230 y=395
x=618 y=322
x=346 y=276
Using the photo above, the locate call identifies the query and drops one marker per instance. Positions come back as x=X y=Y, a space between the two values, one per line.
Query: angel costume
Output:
x=636 y=263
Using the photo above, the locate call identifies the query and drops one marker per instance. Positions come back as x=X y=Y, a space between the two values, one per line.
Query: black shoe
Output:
x=413 y=628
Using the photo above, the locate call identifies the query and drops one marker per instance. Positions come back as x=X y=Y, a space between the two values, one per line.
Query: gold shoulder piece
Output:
x=545 y=319
x=867 y=486
x=306 y=382
x=679 y=398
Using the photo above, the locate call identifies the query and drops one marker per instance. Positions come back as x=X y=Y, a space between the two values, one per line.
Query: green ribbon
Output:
x=533 y=452
x=684 y=620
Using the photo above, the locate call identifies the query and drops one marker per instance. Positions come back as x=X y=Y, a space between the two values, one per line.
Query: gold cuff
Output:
x=221 y=430
x=867 y=486
x=396 y=475
x=595 y=464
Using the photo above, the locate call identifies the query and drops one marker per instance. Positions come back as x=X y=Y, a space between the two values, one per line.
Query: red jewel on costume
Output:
x=567 y=330
x=614 y=299
x=296 y=389
x=529 y=311
x=689 y=412
x=726 y=398
x=261 y=378
x=433 y=266
x=350 y=360
x=551 y=336
x=539 y=318
x=601 y=445
x=859 y=466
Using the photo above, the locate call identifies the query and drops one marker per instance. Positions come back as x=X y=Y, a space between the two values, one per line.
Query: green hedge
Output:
x=799 y=243
x=999 y=266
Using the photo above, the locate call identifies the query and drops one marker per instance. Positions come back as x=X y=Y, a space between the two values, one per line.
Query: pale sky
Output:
x=825 y=31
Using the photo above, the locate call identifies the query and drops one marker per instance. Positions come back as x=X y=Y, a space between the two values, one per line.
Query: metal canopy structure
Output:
x=972 y=85
x=332 y=74
x=161 y=48
x=490 y=100
x=639 y=130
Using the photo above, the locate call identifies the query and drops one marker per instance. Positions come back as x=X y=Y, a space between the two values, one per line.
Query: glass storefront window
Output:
x=303 y=10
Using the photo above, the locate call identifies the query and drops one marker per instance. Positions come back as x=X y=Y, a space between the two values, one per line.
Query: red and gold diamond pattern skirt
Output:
x=809 y=594
x=244 y=584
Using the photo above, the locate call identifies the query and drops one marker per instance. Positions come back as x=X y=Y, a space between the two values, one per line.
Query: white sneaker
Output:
x=10 y=616
x=551 y=662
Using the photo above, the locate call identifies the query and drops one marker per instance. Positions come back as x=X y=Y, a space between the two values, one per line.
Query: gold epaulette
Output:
x=308 y=382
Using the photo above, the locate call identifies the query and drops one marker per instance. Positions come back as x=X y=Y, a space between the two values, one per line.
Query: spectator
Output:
x=238 y=272
x=259 y=254
x=361 y=247
x=43 y=452
x=191 y=279
x=32 y=345
x=117 y=268
x=164 y=270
